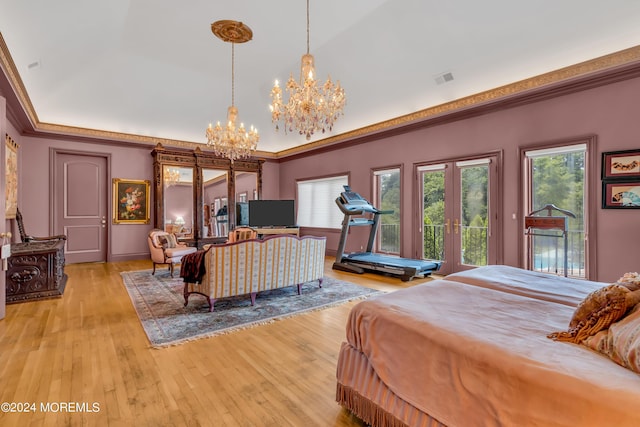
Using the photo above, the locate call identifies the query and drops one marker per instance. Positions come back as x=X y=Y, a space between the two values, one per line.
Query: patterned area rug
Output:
x=159 y=302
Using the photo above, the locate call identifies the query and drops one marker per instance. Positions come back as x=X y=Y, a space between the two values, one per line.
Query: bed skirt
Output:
x=360 y=390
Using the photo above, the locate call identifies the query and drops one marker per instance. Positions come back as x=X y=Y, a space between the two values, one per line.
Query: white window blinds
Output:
x=316 y=202
x=544 y=152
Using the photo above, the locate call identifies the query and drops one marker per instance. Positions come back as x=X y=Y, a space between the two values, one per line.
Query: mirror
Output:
x=215 y=203
x=177 y=184
x=194 y=186
x=246 y=185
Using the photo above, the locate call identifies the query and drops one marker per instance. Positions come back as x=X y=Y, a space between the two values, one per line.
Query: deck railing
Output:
x=548 y=254
x=548 y=251
x=390 y=238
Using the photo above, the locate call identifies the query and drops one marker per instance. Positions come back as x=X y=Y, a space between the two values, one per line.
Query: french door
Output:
x=458 y=209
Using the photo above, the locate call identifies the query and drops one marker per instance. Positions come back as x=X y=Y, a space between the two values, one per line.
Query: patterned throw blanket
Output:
x=193 y=267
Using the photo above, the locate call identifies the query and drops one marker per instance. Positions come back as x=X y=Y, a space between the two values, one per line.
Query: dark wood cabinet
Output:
x=35 y=271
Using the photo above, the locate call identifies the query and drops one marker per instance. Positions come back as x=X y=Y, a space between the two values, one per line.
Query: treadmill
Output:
x=359 y=212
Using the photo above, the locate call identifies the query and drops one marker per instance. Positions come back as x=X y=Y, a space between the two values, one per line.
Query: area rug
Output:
x=159 y=302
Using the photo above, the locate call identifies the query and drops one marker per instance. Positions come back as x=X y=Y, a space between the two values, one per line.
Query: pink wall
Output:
x=126 y=241
x=610 y=112
x=270 y=180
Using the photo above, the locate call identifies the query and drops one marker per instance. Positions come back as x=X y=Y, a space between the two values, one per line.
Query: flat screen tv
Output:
x=272 y=213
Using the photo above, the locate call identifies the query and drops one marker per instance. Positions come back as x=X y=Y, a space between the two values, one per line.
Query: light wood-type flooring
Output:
x=84 y=360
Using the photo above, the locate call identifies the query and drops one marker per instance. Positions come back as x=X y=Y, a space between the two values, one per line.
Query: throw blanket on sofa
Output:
x=193 y=267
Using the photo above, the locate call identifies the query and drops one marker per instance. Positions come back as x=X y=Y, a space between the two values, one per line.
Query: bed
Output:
x=471 y=349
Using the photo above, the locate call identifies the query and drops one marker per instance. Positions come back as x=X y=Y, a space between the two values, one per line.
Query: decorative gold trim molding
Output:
x=10 y=69
x=616 y=59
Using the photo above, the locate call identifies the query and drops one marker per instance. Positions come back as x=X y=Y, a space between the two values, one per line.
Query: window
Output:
x=316 y=202
x=557 y=176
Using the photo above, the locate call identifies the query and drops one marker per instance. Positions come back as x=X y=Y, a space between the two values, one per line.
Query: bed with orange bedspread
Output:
x=472 y=350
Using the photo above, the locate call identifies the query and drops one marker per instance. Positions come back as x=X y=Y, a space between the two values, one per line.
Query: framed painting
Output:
x=130 y=201
x=621 y=164
x=621 y=194
x=11 y=177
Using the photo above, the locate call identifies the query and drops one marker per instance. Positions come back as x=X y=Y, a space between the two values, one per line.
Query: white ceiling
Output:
x=153 y=67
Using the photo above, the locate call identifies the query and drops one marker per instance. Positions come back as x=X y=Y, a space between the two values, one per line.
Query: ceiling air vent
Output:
x=444 y=78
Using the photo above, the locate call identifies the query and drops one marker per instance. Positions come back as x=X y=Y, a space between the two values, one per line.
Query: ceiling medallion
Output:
x=231 y=31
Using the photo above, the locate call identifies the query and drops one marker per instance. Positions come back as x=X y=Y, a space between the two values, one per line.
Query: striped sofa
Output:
x=252 y=266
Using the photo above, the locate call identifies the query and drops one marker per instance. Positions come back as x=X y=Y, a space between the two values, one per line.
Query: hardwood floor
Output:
x=88 y=348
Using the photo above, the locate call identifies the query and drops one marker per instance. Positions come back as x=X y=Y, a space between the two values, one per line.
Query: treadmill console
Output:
x=352 y=198
x=352 y=203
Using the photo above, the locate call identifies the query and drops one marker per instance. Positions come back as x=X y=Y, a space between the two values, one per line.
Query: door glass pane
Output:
x=474 y=221
x=387 y=190
x=433 y=214
x=559 y=179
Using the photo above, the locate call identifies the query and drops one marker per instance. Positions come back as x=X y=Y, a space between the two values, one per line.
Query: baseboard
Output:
x=129 y=257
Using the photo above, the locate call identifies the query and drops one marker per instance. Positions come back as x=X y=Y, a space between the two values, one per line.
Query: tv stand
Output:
x=277 y=230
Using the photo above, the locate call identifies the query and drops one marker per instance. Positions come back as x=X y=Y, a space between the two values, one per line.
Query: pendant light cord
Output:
x=233 y=60
x=307 y=26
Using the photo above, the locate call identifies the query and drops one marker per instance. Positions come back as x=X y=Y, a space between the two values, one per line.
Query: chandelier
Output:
x=231 y=141
x=310 y=107
x=171 y=177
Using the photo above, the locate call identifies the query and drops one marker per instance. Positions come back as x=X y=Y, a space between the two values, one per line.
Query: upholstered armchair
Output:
x=166 y=250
